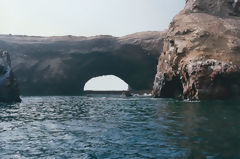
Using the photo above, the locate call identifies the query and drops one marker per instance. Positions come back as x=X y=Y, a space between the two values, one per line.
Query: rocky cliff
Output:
x=62 y=65
x=8 y=84
x=201 y=53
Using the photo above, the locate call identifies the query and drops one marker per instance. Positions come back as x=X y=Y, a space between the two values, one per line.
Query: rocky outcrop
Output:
x=62 y=65
x=221 y=8
x=8 y=84
x=201 y=53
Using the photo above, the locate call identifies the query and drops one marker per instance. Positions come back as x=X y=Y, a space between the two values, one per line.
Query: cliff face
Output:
x=62 y=65
x=221 y=8
x=8 y=85
x=201 y=53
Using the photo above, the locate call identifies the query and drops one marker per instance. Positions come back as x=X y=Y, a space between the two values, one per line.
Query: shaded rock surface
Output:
x=201 y=53
x=8 y=85
x=62 y=65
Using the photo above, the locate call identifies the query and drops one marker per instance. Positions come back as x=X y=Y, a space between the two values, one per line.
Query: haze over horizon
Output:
x=86 y=18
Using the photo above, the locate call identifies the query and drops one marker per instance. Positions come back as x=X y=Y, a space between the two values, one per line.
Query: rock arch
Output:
x=62 y=65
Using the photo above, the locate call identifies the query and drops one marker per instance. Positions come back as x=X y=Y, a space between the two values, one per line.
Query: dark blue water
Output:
x=114 y=127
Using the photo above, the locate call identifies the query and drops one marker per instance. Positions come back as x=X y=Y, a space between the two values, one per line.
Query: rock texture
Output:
x=201 y=54
x=8 y=84
x=62 y=65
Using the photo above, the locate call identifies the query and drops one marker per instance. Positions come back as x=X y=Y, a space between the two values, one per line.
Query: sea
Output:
x=117 y=127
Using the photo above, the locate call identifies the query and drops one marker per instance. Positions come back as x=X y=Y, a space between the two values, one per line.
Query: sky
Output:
x=87 y=18
x=114 y=83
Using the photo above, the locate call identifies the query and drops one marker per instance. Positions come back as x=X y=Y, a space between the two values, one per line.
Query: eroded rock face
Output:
x=62 y=65
x=201 y=54
x=8 y=84
x=215 y=7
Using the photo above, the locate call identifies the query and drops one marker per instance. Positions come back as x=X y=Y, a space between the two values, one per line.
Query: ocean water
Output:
x=114 y=127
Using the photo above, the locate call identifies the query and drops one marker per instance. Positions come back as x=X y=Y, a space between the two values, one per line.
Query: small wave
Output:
x=142 y=95
x=191 y=101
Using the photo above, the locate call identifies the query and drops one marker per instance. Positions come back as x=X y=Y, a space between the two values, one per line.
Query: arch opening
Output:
x=106 y=83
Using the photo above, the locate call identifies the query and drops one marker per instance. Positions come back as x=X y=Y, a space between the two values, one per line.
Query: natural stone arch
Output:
x=62 y=65
x=133 y=71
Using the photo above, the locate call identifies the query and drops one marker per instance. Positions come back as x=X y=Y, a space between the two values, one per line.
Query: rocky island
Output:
x=201 y=53
x=199 y=57
x=66 y=112
x=62 y=65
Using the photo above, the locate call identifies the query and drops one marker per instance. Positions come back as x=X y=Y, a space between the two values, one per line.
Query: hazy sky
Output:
x=85 y=17
x=112 y=83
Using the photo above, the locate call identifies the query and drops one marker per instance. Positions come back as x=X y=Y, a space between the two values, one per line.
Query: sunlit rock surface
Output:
x=62 y=65
x=201 y=54
x=8 y=84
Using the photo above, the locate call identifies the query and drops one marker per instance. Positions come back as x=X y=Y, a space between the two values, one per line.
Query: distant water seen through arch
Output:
x=106 y=83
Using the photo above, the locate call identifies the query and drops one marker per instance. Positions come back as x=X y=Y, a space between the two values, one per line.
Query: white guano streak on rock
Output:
x=235 y=3
x=5 y=76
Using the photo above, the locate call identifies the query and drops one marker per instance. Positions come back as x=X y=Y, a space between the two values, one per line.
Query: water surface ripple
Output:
x=113 y=127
